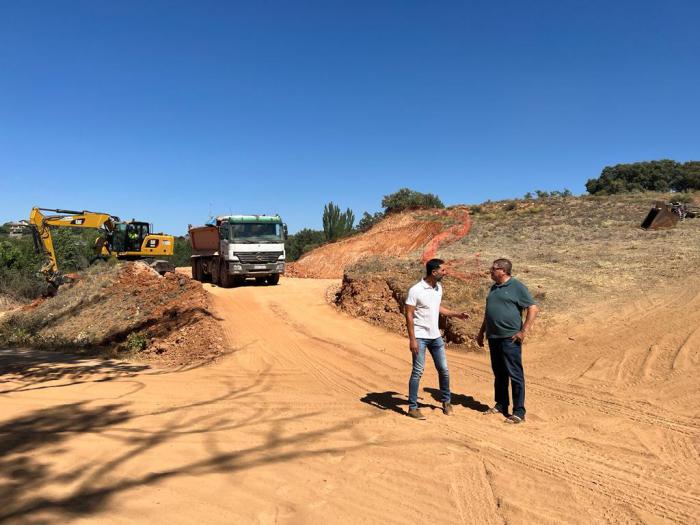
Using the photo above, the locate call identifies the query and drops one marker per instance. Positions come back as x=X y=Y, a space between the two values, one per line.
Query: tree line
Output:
x=339 y=224
x=656 y=175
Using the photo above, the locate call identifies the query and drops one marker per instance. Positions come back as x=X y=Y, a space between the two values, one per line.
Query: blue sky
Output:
x=167 y=111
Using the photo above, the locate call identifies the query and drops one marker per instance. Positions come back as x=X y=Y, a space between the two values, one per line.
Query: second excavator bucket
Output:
x=660 y=216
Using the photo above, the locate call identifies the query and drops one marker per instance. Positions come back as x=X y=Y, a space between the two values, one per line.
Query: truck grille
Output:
x=258 y=257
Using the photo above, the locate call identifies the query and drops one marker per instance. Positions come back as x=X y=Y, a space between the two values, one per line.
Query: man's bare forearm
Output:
x=530 y=317
x=482 y=330
x=409 y=324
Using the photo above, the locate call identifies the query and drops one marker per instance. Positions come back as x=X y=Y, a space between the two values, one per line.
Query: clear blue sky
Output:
x=165 y=111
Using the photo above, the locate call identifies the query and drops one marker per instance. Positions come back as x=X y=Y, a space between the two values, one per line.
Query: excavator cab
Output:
x=129 y=236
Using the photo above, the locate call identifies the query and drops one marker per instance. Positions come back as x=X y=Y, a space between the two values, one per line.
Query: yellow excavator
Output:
x=126 y=240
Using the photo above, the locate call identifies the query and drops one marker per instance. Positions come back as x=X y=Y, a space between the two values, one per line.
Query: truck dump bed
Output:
x=204 y=240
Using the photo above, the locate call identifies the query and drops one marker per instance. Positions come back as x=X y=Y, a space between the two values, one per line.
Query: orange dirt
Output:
x=105 y=307
x=396 y=236
x=304 y=423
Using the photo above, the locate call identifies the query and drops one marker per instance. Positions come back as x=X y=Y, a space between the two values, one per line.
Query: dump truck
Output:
x=233 y=248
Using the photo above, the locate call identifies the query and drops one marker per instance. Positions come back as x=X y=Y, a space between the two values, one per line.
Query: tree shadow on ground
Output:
x=459 y=399
x=26 y=369
x=37 y=449
x=390 y=401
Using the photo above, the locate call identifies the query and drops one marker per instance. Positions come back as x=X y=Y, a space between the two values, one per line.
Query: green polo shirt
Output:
x=504 y=308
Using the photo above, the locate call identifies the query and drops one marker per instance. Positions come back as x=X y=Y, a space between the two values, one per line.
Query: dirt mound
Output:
x=398 y=235
x=571 y=253
x=375 y=290
x=128 y=311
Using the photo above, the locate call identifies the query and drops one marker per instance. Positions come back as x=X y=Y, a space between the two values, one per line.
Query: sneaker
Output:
x=493 y=410
x=447 y=408
x=415 y=413
x=515 y=420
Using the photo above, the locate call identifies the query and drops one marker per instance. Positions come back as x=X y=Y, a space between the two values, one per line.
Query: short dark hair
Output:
x=432 y=264
x=503 y=264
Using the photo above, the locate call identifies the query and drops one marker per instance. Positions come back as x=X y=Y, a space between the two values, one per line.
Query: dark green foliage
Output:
x=541 y=194
x=368 y=220
x=74 y=248
x=301 y=242
x=405 y=199
x=337 y=224
x=19 y=269
x=657 y=175
x=181 y=252
x=527 y=196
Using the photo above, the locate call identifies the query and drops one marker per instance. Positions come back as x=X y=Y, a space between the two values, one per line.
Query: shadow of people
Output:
x=389 y=401
x=459 y=399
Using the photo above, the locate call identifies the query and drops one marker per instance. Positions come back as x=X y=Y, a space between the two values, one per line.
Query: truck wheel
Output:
x=273 y=279
x=224 y=276
x=260 y=280
x=215 y=274
x=198 y=270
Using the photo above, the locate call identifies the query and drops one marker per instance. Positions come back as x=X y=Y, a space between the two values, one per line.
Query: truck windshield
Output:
x=252 y=232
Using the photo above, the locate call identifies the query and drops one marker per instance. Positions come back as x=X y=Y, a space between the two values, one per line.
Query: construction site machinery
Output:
x=667 y=214
x=236 y=247
x=126 y=240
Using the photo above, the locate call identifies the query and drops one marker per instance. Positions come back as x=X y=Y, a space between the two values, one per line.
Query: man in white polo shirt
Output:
x=422 y=315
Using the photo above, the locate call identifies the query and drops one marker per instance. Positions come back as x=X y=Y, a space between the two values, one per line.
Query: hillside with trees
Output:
x=657 y=175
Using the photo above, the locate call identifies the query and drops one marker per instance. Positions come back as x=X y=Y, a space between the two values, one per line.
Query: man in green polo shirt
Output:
x=503 y=326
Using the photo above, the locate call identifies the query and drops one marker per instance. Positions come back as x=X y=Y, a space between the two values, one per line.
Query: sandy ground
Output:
x=303 y=423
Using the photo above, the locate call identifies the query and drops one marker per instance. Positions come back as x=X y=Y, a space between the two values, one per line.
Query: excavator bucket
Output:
x=660 y=216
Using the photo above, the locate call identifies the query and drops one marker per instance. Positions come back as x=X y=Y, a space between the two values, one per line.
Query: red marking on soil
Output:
x=449 y=236
x=469 y=271
x=452 y=234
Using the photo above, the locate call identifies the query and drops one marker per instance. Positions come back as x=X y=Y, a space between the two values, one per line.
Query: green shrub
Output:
x=405 y=199
x=368 y=220
x=136 y=342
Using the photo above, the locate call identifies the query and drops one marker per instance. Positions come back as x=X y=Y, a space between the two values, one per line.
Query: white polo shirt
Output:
x=426 y=299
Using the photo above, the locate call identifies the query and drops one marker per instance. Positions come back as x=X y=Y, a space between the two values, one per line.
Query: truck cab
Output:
x=238 y=247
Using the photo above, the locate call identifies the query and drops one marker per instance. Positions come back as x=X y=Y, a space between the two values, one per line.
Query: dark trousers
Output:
x=507 y=364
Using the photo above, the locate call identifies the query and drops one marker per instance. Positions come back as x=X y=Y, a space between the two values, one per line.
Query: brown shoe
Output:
x=515 y=420
x=415 y=413
x=493 y=410
x=447 y=408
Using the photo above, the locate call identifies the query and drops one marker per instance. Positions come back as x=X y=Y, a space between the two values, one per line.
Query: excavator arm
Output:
x=41 y=226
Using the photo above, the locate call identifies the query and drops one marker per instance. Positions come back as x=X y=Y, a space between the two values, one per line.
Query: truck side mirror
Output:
x=284 y=229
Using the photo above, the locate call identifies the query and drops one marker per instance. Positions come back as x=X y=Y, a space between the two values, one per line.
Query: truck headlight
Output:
x=280 y=258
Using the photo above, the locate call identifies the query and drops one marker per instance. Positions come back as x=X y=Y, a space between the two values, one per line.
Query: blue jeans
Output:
x=437 y=350
x=507 y=364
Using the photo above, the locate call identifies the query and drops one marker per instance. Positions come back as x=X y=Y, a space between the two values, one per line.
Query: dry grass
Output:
x=571 y=253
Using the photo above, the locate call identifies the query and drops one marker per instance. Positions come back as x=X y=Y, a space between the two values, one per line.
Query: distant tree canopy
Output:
x=301 y=242
x=337 y=224
x=657 y=175
x=368 y=220
x=409 y=199
x=182 y=251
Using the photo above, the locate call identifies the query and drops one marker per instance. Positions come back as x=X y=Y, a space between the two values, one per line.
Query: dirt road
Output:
x=302 y=423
